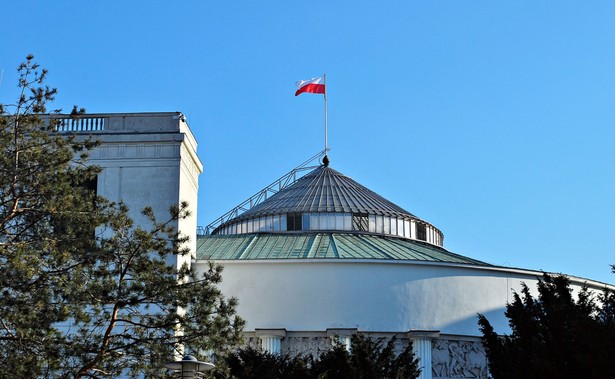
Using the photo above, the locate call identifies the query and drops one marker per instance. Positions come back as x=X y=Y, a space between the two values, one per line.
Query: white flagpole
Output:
x=326 y=126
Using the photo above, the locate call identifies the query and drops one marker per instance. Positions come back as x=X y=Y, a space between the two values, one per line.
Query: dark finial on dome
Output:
x=325 y=160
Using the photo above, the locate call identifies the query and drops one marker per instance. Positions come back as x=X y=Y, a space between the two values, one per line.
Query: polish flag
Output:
x=314 y=85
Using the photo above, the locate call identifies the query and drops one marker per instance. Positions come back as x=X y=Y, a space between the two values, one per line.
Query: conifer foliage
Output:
x=85 y=293
x=554 y=335
x=367 y=359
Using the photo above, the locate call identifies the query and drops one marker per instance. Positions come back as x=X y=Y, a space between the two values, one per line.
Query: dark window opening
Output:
x=293 y=221
x=360 y=222
x=91 y=186
x=421 y=232
x=68 y=223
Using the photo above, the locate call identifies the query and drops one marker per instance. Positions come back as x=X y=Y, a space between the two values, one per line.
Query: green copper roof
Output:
x=321 y=246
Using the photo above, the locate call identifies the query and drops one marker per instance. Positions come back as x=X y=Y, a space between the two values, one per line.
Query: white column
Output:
x=341 y=336
x=421 y=346
x=271 y=339
x=422 y=349
x=271 y=344
x=345 y=341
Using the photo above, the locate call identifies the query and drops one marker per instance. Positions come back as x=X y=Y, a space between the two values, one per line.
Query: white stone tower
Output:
x=148 y=159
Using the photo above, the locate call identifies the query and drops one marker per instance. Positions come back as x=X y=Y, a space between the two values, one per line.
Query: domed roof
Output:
x=326 y=190
x=326 y=200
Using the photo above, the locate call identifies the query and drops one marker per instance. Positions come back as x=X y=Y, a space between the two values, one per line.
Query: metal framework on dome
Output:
x=285 y=181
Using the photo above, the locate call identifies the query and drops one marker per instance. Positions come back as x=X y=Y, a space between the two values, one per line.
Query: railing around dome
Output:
x=275 y=187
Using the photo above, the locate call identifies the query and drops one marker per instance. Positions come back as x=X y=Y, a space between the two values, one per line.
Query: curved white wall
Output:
x=372 y=296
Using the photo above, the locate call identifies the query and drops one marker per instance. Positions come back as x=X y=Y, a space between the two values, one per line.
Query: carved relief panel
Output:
x=458 y=359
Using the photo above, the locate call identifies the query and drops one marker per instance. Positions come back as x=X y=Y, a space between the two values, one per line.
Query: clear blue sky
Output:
x=495 y=121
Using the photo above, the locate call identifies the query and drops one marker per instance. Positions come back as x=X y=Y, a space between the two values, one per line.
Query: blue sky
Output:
x=494 y=121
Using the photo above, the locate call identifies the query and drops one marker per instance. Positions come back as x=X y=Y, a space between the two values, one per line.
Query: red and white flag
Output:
x=314 y=85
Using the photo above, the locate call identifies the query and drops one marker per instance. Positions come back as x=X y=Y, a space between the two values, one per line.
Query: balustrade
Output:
x=81 y=124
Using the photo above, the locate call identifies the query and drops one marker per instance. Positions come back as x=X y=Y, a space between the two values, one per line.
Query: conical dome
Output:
x=326 y=190
x=327 y=200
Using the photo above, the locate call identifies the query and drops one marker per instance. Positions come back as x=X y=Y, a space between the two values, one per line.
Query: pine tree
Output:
x=84 y=292
x=43 y=213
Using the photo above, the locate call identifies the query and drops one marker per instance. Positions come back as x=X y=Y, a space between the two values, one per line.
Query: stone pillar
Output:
x=345 y=341
x=271 y=344
x=271 y=339
x=421 y=340
x=341 y=336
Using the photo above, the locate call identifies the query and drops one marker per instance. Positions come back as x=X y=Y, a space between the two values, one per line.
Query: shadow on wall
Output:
x=496 y=317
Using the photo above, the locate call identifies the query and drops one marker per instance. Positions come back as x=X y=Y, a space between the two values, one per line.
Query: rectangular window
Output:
x=360 y=222
x=270 y=223
x=306 y=221
x=293 y=221
x=407 y=228
x=91 y=185
x=276 y=223
x=262 y=224
x=421 y=231
x=88 y=188
x=283 y=222
x=347 y=221
x=339 y=221
x=379 y=224
x=324 y=221
x=314 y=221
x=387 y=225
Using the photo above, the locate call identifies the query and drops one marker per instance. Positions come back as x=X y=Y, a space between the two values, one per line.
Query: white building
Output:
x=148 y=159
x=325 y=257
x=320 y=259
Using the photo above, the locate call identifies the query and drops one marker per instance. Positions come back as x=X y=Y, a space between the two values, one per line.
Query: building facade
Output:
x=325 y=257
x=320 y=259
x=147 y=160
